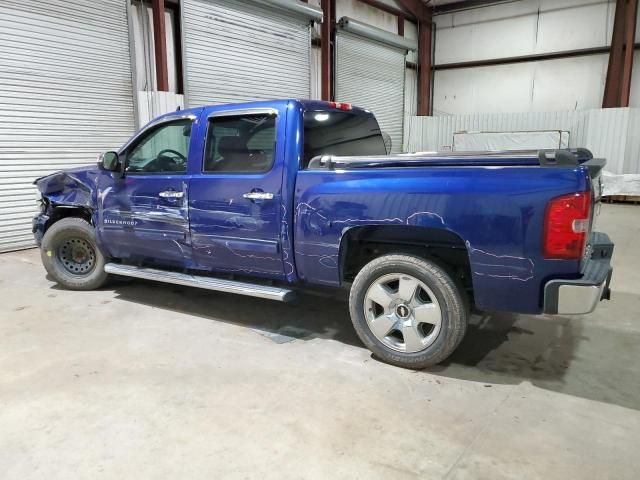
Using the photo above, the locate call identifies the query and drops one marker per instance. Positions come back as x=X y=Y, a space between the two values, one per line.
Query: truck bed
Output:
x=492 y=203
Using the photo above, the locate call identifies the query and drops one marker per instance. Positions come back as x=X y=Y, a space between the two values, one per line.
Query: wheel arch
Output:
x=57 y=212
x=361 y=244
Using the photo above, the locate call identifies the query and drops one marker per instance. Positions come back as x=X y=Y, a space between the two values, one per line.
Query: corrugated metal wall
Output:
x=632 y=160
x=65 y=96
x=436 y=133
x=611 y=133
x=240 y=51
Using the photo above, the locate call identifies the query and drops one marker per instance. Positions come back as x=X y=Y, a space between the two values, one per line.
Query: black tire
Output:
x=450 y=299
x=59 y=251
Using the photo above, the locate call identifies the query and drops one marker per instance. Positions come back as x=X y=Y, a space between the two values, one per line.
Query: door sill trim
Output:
x=280 y=294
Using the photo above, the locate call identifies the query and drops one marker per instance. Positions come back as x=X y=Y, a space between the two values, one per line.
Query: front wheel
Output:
x=70 y=255
x=407 y=310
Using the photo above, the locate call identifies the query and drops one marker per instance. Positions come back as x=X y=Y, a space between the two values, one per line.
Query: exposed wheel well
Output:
x=59 y=212
x=360 y=245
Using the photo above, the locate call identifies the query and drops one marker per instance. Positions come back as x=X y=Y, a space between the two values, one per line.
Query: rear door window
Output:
x=331 y=132
x=240 y=144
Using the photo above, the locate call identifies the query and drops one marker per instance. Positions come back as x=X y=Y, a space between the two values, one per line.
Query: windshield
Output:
x=331 y=132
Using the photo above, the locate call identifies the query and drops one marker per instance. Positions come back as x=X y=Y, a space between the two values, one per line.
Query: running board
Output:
x=208 y=283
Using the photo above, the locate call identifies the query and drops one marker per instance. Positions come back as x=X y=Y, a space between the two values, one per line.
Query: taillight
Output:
x=566 y=225
x=340 y=105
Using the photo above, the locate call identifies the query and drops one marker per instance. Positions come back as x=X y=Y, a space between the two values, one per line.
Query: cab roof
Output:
x=304 y=104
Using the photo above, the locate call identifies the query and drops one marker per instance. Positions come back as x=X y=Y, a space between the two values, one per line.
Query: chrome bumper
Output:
x=581 y=296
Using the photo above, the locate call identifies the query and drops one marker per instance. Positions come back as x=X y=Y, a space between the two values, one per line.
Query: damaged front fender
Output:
x=75 y=187
x=67 y=193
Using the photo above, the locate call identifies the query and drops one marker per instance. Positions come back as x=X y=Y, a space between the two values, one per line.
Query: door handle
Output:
x=258 y=196
x=171 y=194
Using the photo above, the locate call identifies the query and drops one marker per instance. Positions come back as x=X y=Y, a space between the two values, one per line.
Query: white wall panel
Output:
x=154 y=104
x=632 y=153
x=522 y=28
x=573 y=24
x=634 y=100
x=563 y=84
x=316 y=74
x=569 y=83
x=612 y=133
x=436 y=133
x=481 y=33
x=607 y=136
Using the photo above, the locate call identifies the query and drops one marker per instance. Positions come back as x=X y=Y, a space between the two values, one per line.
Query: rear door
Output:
x=235 y=195
x=144 y=216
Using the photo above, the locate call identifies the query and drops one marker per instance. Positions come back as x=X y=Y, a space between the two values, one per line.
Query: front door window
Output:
x=164 y=150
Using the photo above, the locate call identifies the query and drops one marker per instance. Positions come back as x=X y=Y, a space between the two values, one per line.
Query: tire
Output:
x=424 y=327
x=70 y=255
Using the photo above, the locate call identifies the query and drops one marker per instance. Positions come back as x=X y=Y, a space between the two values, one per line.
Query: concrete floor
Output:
x=144 y=380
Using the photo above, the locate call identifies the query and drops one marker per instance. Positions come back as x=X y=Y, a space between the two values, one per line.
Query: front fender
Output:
x=74 y=188
x=66 y=193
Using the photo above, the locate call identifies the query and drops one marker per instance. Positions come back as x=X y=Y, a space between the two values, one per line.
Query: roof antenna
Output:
x=178 y=109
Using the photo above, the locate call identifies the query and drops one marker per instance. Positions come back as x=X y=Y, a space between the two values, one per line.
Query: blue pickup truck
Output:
x=265 y=198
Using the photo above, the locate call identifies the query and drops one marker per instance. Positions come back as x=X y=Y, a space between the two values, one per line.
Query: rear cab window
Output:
x=340 y=133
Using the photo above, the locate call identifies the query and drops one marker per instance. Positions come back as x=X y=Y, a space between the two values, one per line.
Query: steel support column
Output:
x=326 y=48
x=424 y=14
x=160 y=44
x=424 y=65
x=618 y=84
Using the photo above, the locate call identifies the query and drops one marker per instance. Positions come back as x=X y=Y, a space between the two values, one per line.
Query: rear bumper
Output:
x=581 y=296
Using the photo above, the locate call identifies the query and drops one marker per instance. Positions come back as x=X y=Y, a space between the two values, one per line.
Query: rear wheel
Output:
x=70 y=255
x=407 y=310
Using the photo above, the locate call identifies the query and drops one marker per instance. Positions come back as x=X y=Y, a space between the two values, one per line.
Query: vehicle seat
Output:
x=234 y=153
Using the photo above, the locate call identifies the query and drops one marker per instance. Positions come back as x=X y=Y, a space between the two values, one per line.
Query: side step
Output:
x=217 y=284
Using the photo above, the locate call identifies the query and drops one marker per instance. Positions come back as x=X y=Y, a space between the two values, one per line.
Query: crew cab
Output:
x=264 y=198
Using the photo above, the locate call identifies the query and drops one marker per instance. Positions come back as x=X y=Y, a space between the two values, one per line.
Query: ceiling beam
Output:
x=389 y=9
x=467 y=5
x=418 y=9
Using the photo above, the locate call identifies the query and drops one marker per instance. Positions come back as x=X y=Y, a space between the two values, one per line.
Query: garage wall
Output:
x=634 y=100
x=523 y=28
x=371 y=74
x=379 y=19
x=611 y=133
x=65 y=96
x=563 y=84
x=238 y=51
x=367 y=14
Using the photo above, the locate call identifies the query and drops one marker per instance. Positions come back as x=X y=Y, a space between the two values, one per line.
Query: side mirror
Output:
x=387 y=142
x=109 y=161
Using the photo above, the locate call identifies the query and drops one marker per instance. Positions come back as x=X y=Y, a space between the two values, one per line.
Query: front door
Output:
x=144 y=216
x=235 y=196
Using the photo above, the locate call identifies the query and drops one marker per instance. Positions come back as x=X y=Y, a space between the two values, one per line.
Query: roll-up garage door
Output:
x=237 y=51
x=370 y=74
x=65 y=96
